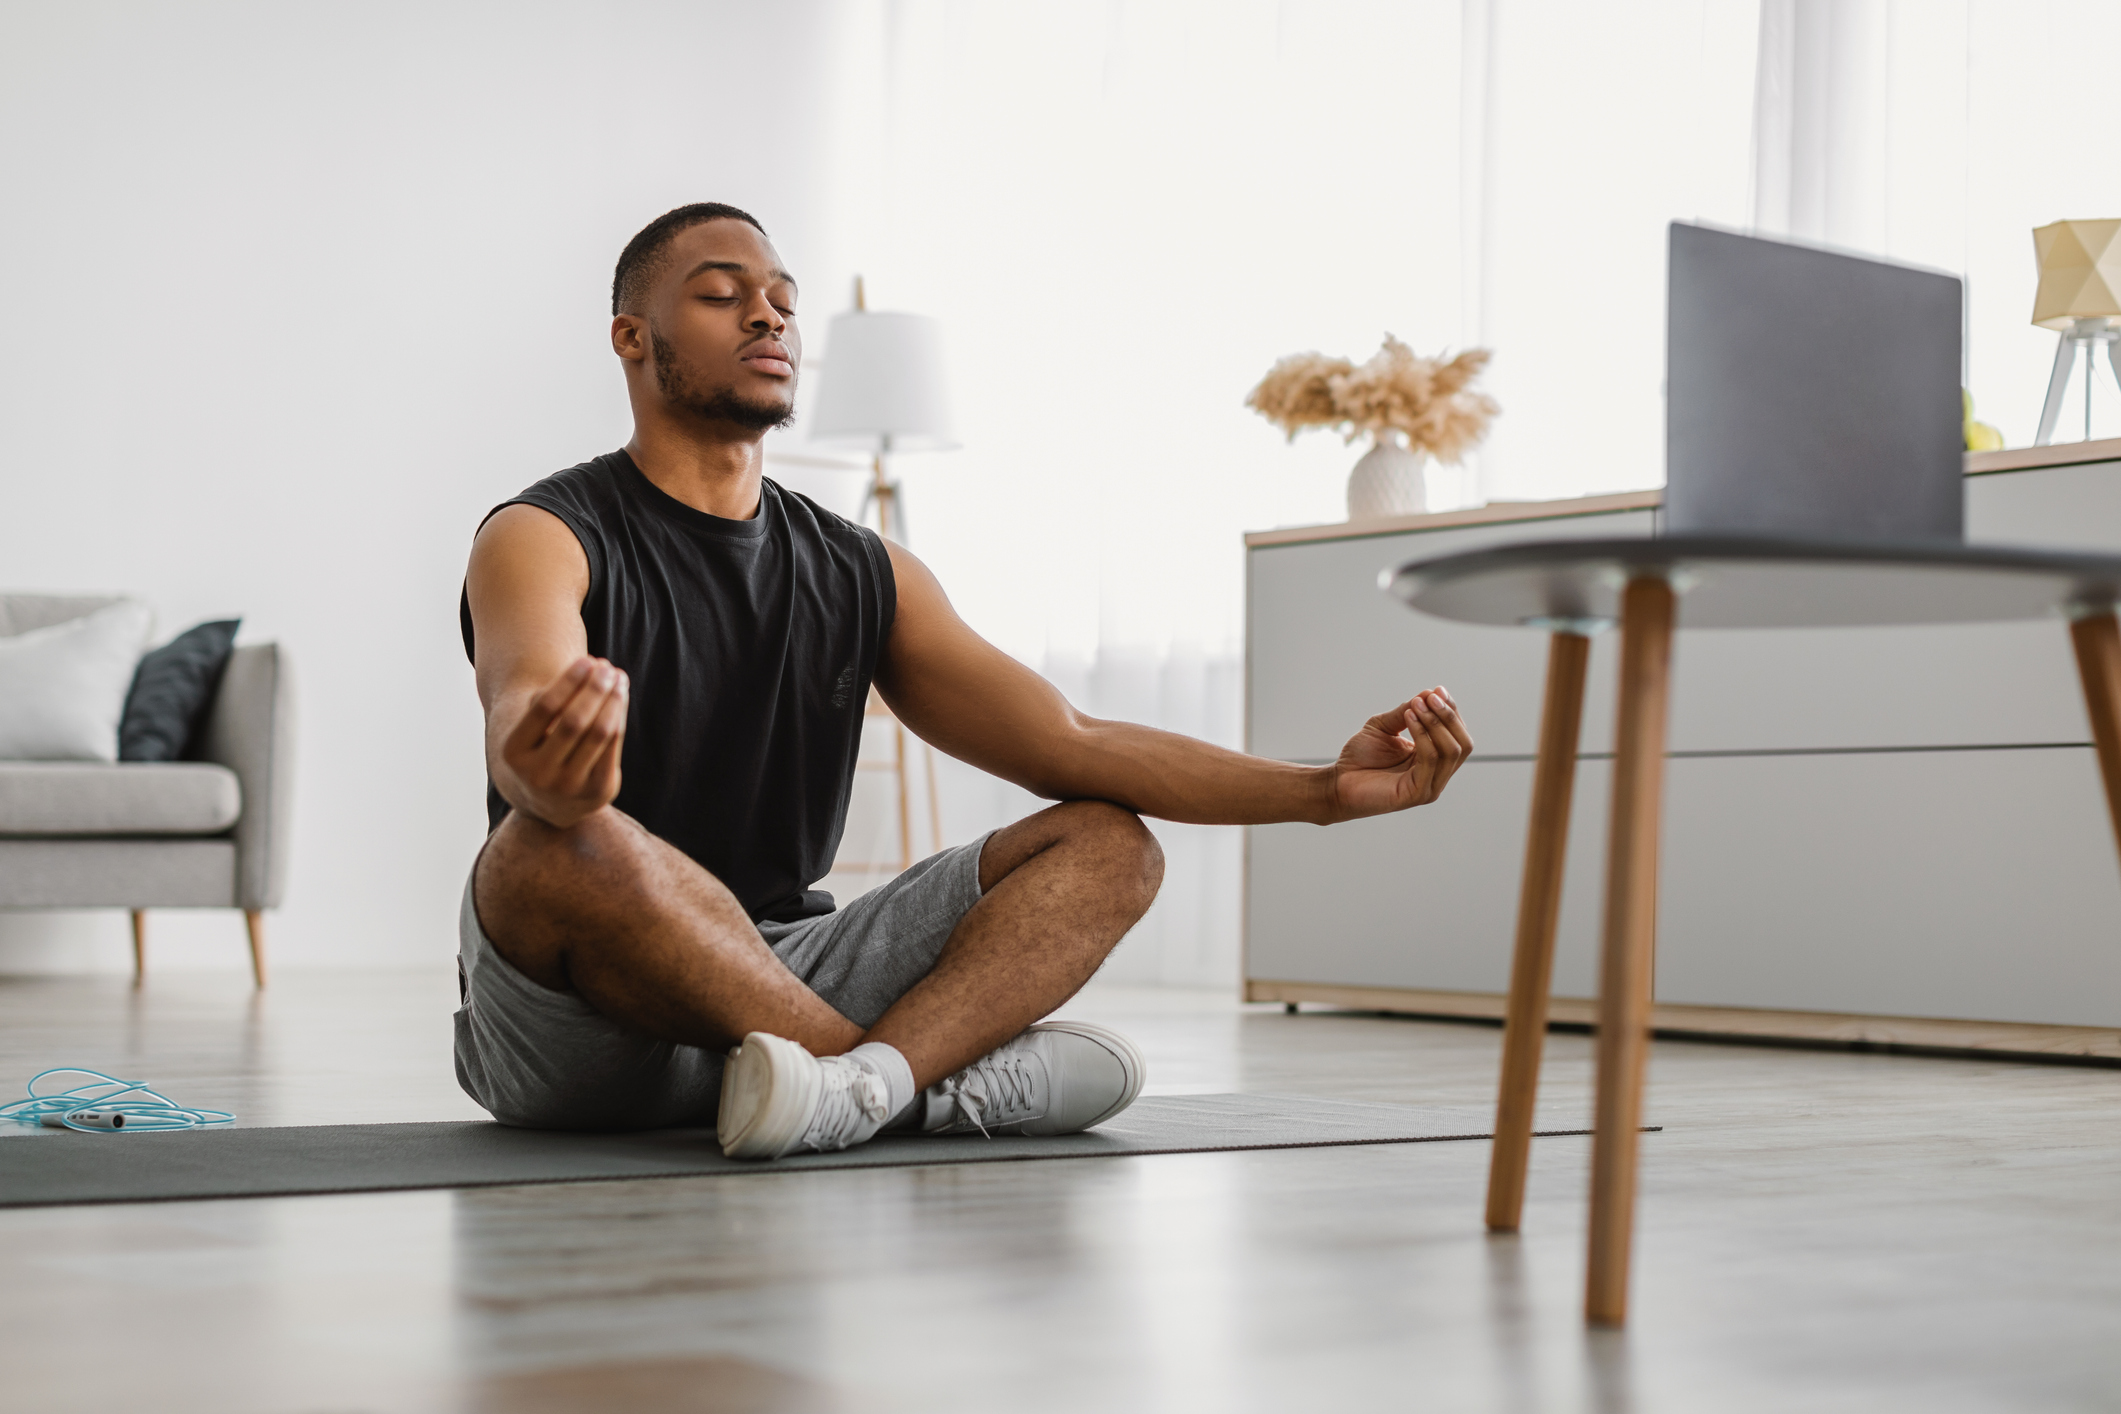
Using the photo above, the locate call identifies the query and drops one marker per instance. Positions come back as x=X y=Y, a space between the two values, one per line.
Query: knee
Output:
x=604 y=849
x=1126 y=852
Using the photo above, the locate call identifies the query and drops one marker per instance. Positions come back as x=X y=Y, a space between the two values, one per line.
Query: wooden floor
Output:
x=1820 y=1232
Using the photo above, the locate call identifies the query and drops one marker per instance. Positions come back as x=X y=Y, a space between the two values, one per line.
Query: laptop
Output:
x=1810 y=395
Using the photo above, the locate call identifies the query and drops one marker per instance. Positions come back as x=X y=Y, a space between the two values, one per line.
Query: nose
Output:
x=763 y=316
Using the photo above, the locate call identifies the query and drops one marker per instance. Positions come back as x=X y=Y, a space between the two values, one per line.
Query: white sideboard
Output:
x=1895 y=835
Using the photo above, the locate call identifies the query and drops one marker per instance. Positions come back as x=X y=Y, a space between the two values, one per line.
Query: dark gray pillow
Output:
x=172 y=690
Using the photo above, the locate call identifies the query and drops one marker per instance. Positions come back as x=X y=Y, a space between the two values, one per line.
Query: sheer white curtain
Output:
x=1942 y=132
x=1125 y=212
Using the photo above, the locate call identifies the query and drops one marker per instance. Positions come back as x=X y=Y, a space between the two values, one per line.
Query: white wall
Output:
x=290 y=294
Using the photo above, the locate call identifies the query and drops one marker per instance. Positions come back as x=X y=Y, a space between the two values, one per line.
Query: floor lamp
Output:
x=882 y=389
x=2079 y=296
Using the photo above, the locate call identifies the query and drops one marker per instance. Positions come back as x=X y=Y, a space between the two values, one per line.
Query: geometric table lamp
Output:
x=2080 y=295
x=883 y=390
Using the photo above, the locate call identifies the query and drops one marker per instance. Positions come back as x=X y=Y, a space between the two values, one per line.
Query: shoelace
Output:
x=853 y=1105
x=999 y=1083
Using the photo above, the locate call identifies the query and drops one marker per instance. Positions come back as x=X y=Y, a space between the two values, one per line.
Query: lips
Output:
x=770 y=358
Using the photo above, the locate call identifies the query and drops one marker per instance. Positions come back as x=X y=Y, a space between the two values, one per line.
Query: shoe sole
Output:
x=769 y=1088
x=1130 y=1060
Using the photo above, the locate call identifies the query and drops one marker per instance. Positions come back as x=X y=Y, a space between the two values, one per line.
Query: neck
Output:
x=711 y=469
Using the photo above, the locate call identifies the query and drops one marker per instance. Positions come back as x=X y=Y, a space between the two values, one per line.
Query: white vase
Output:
x=1387 y=481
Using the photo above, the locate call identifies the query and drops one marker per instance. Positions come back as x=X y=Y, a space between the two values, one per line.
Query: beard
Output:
x=682 y=388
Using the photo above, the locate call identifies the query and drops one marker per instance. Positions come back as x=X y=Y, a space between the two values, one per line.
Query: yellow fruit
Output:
x=1980 y=437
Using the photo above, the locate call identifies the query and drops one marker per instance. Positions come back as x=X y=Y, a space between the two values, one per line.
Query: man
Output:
x=674 y=654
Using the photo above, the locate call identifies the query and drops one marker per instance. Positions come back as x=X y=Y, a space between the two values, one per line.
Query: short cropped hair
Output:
x=644 y=253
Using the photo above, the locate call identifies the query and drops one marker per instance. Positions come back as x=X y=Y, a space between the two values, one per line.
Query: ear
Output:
x=629 y=337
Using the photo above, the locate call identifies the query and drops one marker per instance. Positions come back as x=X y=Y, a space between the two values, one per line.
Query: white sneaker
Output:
x=1059 y=1077
x=778 y=1098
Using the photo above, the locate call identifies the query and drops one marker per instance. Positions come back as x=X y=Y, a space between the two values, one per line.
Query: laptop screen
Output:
x=1810 y=394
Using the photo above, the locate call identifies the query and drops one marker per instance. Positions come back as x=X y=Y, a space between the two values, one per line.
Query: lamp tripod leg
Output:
x=2057 y=385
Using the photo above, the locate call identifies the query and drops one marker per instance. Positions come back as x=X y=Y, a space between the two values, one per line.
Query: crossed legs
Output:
x=657 y=944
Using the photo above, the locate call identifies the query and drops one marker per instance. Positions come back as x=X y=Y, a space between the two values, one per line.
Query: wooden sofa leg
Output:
x=139 y=946
x=255 y=918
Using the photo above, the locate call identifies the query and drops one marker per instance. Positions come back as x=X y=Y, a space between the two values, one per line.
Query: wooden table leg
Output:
x=2097 y=639
x=139 y=946
x=1524 y=1029
x=1630 y=944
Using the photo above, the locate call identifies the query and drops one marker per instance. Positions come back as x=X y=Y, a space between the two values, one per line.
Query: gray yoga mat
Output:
x=63 y=1166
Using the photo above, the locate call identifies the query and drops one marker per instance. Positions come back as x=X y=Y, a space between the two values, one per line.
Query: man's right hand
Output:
x=564 y=751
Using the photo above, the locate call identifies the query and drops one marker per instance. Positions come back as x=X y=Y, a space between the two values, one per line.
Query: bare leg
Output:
x=656 y=943
x=645 y=935
x=1061 y=888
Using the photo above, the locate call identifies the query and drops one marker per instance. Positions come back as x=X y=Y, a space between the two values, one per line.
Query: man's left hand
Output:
x=1401 y=758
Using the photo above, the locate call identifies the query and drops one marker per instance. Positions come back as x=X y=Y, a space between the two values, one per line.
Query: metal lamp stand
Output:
x=2088 y=335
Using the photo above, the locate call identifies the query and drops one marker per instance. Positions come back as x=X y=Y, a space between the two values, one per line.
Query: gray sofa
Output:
x=191 y=834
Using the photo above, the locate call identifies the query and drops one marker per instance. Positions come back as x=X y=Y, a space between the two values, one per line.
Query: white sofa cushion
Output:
x=84 y=798
x=62 y=688
x=19 y=613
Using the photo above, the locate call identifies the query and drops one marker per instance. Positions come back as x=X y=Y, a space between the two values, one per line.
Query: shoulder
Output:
x=552 y=527
x=524 y=551
x=565 y=514
x=587 y=490
x=526 y=527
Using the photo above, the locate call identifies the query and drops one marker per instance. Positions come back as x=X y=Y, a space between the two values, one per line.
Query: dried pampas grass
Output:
x=1431 y=400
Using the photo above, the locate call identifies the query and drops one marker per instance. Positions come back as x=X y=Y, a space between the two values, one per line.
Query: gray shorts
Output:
x=548 y=1060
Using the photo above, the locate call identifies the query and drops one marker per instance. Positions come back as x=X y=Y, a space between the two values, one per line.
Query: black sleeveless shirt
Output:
x=750 y=645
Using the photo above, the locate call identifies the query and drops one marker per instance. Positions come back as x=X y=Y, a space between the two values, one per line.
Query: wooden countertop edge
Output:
x=2105 y=449
x=1493 y=513
x=1502 y=512
x=1931 y=1033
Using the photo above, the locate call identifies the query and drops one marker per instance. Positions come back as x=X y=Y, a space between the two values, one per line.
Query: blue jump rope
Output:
x=104 y=1104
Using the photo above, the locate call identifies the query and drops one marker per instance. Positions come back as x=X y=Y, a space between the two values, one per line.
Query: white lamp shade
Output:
x=883 y=379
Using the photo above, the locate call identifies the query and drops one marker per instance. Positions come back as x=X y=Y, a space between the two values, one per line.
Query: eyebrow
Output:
x=737 y=267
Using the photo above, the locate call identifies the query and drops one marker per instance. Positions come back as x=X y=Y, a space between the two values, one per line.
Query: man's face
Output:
x=721 y=324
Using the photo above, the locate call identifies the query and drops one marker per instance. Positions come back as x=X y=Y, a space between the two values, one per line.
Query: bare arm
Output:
x=555 y=717
x=966 y=696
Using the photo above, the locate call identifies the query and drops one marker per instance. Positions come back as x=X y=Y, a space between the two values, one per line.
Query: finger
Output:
x=1436 y=720
x=603 y=782
x=599 y=729
x=1450 y=752
x=1391 y=734
x=1390 y=721
x=1448 y=712
x=539 y=716
x=545 y=760
x=1421 y=772
x=563 y=730
x=564 y=739
x=601 y=737
x=1406 y=732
